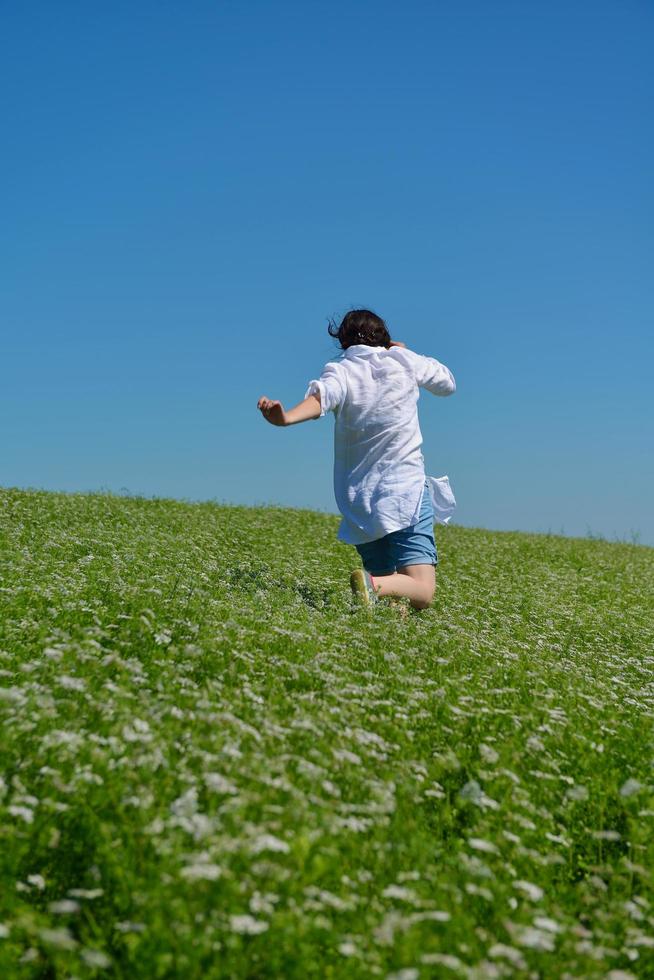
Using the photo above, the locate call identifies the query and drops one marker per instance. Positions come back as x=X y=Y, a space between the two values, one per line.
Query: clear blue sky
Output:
x=191 y=189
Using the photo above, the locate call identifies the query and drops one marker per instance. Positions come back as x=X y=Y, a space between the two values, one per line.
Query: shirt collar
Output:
x=362 y=350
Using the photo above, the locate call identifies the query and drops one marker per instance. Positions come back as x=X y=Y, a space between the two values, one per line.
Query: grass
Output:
x=211 y=766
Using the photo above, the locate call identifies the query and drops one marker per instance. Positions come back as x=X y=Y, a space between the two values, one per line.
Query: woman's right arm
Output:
x=274 y=412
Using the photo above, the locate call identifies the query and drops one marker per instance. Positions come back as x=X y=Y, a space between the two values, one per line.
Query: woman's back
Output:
x=378 y=465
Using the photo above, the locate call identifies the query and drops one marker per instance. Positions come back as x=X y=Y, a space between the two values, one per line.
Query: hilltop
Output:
x=212 y=766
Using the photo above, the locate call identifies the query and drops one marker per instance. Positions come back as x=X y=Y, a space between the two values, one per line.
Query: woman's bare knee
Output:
x=425 y=577
x=425 y=601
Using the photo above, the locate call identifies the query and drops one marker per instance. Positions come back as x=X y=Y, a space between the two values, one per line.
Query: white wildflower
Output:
x=263 y=903
x=479 y=891
x=330 y=787
x=384 y=933
x=12 y=695
x=530 y=890
x=268 y=842
x=409 y=876
x=401 y=893
x=634 y=911
x=549 y=925
x=127 y=926
x=23 y=812
x=348 y=949
x=136 y=732
x=630 y=787
x=4 y=930
x=514 y=956
x=431 y=915
x=65 y=906
x=473 y=793
x=57 y=736
x=577 y=793
x=442 y=959
x=60 y=938
x=198 y=825
x=202 y=871
x=95 y=957
x=71 y=683
x=186 y=804
x=247 y=925
x=37 y=881
x=532 y=938
x=344 y=755
x=216 y=782
x=557 y=839
x=319 y=897
x=477 y=844
x=488 y=753
x=358 y=825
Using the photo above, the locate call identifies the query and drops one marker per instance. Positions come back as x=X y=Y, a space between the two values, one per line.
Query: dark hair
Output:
x=360 y=327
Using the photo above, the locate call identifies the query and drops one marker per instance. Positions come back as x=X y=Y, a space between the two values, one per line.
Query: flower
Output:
x=247 y=925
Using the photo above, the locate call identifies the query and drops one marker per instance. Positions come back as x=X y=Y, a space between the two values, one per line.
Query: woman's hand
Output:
x=396 y=343
x=272 y=411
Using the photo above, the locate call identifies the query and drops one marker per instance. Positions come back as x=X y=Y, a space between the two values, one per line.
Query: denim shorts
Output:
x=413 y=545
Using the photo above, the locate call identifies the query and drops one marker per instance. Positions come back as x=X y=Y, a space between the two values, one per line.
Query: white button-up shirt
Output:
x=379 y=471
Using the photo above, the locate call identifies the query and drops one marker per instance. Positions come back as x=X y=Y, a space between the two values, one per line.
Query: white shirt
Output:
x=379 y=471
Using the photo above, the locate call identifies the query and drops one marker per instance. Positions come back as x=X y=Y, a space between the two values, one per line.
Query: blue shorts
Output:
x=413 y=545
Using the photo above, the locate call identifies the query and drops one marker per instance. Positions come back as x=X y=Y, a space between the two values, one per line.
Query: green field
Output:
x=212 y=766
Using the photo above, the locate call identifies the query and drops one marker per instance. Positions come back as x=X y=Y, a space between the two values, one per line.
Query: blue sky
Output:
x=190 y=190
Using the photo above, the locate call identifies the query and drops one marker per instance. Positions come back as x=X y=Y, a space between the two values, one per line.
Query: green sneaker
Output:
x=362 y=587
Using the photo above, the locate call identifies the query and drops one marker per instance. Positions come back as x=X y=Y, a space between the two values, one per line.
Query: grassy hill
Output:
x=211 y=766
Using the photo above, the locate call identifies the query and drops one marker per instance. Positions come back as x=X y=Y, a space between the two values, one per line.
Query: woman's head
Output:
x=360 y=327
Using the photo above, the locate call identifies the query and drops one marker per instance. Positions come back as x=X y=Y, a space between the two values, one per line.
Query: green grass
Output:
x=211 y=766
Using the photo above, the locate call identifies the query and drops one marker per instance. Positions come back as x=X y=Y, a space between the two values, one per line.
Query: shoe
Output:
x=362 y=587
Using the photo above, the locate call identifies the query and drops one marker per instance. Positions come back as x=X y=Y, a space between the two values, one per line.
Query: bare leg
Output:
x=414 y=582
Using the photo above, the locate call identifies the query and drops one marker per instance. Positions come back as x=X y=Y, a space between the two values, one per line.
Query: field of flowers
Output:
x=212 y=766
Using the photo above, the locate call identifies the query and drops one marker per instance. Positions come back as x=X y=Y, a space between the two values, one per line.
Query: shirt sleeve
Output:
x=331 y=388
x=434 y=376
